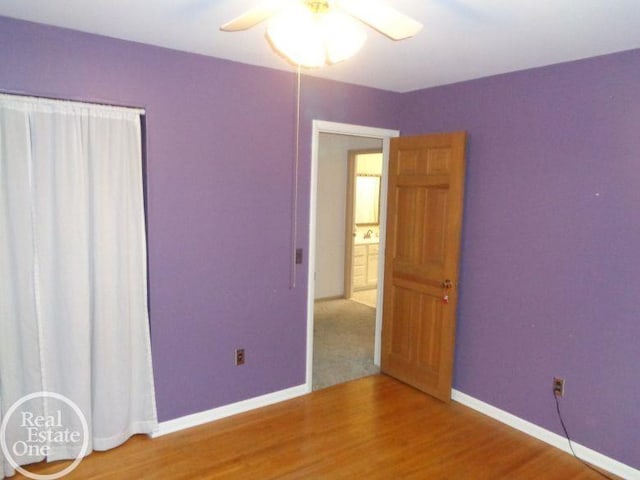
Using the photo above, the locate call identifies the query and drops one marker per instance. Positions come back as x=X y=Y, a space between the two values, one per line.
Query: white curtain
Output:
x=73 y=286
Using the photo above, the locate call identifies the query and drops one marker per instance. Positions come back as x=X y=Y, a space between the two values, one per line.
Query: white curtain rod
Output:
x=71 y=103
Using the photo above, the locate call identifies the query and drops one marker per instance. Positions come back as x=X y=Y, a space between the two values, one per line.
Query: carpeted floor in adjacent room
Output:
x=343 y=342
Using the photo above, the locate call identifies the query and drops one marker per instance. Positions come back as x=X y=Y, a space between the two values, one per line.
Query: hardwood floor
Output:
x=372 y=428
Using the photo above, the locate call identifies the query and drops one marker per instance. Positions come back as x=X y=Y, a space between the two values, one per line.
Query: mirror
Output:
x=367 y=199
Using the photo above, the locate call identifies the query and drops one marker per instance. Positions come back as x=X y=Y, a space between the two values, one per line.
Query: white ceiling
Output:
x=461 y=39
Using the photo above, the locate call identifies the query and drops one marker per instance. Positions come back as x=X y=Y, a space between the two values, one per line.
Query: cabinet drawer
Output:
x=373 y=248
x=359 y=250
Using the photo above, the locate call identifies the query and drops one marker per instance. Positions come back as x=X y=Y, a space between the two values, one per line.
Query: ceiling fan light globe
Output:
x=296 y=34
x=343 y=36
x=313 y=39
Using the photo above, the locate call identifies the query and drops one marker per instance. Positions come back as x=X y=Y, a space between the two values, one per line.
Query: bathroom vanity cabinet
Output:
x=365 y=266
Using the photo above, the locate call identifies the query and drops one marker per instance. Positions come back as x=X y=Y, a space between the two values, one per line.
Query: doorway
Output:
x=322 y=286
x=362 y=229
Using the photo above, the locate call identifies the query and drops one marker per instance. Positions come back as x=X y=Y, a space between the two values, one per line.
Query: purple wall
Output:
x=551 y=272
x=219 y=162
x=551 y=261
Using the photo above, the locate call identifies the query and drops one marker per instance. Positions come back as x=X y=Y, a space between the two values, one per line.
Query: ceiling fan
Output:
x=314 y=32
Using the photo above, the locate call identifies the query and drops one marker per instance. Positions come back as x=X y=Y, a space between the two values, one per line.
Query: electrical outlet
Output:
x=558 y=386
x=239 y=356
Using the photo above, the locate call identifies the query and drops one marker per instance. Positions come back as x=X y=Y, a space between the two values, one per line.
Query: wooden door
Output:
x=424 y=222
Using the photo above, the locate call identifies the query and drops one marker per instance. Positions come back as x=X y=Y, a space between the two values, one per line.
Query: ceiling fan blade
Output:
x=254 y=16
x=385 y=19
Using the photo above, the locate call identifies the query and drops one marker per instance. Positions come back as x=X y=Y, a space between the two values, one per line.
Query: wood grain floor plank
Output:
x=374 y=428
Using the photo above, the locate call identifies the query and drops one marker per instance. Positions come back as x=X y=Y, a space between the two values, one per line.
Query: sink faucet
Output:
x=368 y=234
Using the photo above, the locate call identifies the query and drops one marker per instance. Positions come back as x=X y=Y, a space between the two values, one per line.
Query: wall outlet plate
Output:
x=239 y=356
x=558 y=386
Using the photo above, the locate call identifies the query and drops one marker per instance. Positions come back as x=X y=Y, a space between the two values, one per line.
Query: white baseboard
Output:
x=558 y=441
x=199 y=418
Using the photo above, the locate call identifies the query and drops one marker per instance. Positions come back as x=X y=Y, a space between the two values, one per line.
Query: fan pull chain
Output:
x=294 y=203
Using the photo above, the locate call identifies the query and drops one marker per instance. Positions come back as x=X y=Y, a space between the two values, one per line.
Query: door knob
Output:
x=447 y=284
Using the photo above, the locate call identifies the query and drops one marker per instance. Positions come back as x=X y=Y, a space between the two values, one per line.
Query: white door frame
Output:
x=320 y=126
